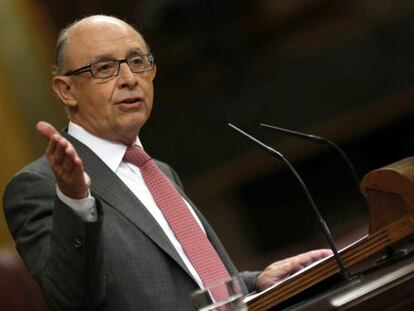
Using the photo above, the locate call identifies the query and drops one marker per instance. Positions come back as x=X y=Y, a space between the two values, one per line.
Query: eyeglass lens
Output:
x=105 y=69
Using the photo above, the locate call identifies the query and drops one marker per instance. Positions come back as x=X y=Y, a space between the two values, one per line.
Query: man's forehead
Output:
x=100 y=21
x=103 y=37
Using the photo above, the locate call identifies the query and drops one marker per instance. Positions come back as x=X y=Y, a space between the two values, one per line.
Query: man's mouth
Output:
x=130 y=104
x=131 y=100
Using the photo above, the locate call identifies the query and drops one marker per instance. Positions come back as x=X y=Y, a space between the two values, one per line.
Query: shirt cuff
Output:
x=84 y=208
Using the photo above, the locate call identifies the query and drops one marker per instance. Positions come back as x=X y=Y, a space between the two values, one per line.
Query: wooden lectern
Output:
x=385 y=283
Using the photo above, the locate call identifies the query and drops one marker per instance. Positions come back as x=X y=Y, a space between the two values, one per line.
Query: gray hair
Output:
x=60 y=48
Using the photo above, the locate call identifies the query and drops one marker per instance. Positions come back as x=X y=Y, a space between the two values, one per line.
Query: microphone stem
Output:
x=325 y=229
x=320 y=140
x=348 y=162
x=322 y=222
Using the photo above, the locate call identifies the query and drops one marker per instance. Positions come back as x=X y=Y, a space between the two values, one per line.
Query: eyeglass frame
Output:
x=88 y=68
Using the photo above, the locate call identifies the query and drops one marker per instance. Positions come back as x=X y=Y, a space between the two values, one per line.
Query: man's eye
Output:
x=105 y=67
x=138 y=60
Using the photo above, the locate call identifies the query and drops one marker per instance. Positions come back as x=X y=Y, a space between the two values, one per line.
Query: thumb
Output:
x=46 y=129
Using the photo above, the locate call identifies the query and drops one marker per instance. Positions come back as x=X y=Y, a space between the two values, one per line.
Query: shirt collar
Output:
x=108 y=151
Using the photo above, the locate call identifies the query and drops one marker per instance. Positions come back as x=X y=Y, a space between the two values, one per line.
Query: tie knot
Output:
x=136 y=155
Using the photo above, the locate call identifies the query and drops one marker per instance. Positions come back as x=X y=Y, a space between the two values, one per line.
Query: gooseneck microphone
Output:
x=316 y=139
x=277 y=155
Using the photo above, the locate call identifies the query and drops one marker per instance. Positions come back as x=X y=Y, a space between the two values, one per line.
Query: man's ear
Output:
x=63 y=87
x=153 y=72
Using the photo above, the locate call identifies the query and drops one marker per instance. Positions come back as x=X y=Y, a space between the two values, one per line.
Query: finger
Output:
x=292 y=265
x=319 y=254
x=46 y=129
x=61 y=151
x=78 y=172
x=312 y=256
x=326 y=252
x=296 y=265
x=68 y=160
x=56 y=151
x=52 y=145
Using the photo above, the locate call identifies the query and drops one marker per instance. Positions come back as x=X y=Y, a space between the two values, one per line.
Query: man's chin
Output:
x=130 y=127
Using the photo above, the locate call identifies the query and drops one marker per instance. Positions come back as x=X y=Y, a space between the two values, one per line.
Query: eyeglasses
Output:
x=110 y=68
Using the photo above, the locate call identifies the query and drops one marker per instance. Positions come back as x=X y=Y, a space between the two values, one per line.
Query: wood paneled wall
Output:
x=25 y=95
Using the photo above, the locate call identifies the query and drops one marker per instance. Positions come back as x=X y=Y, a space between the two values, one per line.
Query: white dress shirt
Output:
x=112 y=153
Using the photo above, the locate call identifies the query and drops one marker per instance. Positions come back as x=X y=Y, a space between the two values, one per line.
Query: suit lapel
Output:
x=107 y=186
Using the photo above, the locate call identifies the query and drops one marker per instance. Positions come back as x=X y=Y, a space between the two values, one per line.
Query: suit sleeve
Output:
x=61 y=251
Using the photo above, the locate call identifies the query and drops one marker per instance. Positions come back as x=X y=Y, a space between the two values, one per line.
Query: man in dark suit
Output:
x=85 y=220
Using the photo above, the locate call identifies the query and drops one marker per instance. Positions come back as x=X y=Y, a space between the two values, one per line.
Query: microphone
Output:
x=277 y=155
x=320 y=140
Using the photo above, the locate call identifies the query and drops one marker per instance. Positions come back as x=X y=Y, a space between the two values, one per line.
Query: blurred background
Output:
x=338 y=69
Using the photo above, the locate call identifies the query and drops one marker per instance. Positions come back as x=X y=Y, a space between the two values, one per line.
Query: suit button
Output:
x=77 y=242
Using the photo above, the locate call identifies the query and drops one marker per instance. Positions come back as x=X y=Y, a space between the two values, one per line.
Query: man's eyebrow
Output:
x=105 y=57
x=101 y=58
x=135 y=51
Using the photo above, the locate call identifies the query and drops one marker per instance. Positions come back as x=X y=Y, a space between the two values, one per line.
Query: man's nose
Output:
x=126 y=78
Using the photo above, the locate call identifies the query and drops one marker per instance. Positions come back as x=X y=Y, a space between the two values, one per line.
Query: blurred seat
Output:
x=18 y=290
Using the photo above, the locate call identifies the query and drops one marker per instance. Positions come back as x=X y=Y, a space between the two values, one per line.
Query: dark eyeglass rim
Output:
x=88 y=68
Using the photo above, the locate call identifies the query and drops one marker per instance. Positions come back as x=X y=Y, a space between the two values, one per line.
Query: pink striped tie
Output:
x=195 y=243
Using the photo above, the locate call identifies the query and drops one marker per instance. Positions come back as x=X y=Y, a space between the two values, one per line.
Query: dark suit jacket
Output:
x=123 y=261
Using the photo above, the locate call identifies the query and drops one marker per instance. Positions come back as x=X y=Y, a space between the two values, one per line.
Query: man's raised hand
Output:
x=65 y=163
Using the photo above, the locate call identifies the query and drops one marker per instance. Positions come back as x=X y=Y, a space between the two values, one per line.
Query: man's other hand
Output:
x=279 y=270
x=65 y=163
